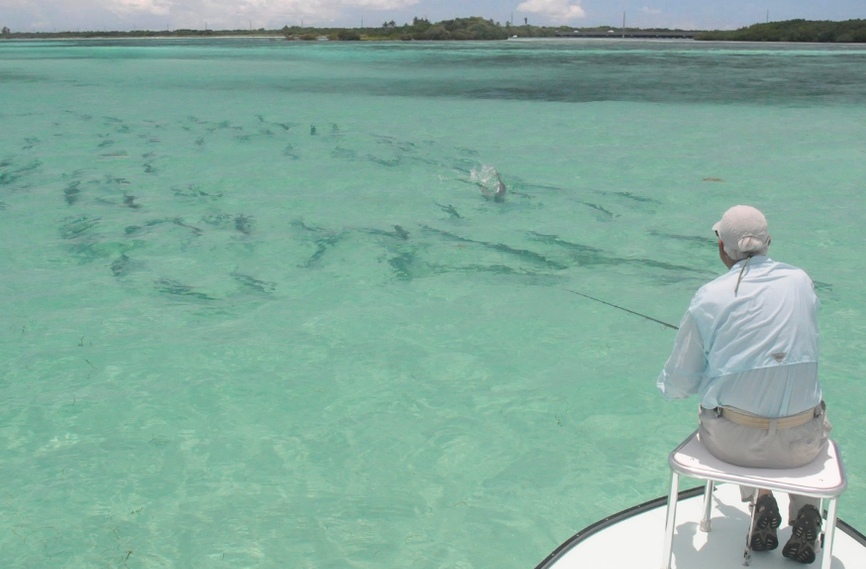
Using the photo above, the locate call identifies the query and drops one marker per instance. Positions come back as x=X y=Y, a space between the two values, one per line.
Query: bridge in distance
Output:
x=635 y=34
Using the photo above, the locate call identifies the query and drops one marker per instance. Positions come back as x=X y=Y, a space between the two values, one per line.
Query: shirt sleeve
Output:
x=685 y=368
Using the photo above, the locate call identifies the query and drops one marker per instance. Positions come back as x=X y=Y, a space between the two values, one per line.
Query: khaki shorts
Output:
x=761 y=448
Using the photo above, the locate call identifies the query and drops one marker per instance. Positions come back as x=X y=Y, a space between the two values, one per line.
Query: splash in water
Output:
x=488 y=180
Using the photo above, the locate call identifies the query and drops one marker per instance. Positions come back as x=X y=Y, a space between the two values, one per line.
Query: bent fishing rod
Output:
x=622 y=308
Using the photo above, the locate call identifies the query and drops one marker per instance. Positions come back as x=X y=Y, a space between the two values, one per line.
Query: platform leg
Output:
x=829 y=532
x=670 y=521
x=747 y=554
x=708 y=505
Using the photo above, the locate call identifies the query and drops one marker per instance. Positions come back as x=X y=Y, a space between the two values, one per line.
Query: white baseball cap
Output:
x=743 y=231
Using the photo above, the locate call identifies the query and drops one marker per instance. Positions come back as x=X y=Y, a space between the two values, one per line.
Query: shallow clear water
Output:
x=230 y=342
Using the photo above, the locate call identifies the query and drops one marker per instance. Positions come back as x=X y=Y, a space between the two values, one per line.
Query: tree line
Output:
x=851 y=31
x=476 y=28
x=421 y=29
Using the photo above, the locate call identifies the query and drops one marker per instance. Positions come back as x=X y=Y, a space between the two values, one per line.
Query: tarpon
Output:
x=484 y=179
x=451 y=210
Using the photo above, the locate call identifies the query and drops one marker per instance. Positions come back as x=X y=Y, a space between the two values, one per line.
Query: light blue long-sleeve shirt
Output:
x=757 y=350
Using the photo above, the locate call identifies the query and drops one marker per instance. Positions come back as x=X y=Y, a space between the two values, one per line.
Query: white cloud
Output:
x=556 y=10
x=379 y=4
x=652 y=11
x=155 y=7
x=216 y=14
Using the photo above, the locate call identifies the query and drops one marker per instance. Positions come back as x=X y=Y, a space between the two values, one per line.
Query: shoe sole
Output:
x=769 y=516
x=805 y=529
x=766 y=521
x=799 y=550
x=764 y=540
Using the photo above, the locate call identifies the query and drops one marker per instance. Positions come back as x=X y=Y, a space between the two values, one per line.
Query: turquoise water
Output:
x=259 y=314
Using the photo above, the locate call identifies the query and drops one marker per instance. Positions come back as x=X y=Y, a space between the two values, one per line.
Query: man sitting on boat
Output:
x=748 y=347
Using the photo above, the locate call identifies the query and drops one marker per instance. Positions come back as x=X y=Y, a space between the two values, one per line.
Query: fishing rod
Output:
x=622 y=308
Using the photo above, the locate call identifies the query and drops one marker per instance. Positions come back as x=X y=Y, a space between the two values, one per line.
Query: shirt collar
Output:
x=755 y=260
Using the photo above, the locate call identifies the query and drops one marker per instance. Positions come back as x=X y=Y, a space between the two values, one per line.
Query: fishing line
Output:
x=622 y=308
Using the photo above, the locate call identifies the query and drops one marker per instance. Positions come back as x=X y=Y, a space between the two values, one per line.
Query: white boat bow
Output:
x=634 y=538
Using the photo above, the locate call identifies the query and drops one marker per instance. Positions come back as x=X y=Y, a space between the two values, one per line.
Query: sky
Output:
x=122 y=15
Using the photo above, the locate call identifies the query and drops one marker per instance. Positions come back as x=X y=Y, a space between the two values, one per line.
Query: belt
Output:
x=764 y=423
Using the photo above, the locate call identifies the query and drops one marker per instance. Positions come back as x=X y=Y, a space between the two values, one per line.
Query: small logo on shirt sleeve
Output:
x=779 y=356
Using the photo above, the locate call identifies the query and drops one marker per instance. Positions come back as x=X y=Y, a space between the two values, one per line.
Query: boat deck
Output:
x=634 y=538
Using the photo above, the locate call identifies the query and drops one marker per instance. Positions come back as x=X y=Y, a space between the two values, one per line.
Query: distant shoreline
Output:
x=98 y=37
x=478 y=29
x=135 y=36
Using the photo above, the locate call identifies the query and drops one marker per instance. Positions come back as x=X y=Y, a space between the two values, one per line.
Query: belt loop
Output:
x=773 y=423
x=717 y=411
